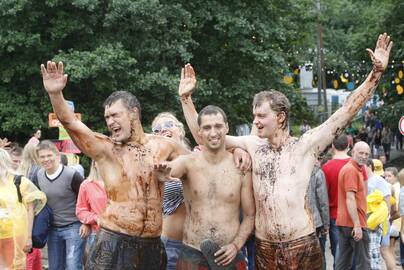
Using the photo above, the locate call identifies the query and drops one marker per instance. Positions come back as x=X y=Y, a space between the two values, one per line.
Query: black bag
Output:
x=42 y=221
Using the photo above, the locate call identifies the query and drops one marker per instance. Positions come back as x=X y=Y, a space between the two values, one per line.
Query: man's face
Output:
x=49 y=160
x=16 y=161
x=213 y=130
x=265 y=119
x=118 y=119
x=389 y=176
x=360 y=154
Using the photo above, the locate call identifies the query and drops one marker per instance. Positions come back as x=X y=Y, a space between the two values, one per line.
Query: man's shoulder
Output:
x=335 y=162
x=68 y=172
x=350 y=169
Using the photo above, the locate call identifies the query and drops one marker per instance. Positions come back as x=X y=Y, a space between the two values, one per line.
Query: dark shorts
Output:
x=192 y=259
x=300 y=254
x=113 y=250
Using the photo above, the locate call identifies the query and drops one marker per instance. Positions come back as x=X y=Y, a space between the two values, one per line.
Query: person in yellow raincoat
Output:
x=16 y=218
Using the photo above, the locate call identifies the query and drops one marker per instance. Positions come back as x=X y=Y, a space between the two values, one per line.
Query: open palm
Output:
x=380 y=56
x=188 y=81
x=54 y=79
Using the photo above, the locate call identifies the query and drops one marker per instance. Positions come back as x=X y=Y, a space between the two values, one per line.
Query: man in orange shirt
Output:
x=351 y=218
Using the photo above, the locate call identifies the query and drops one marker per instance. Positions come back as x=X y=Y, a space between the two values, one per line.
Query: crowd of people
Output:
x=150 y=202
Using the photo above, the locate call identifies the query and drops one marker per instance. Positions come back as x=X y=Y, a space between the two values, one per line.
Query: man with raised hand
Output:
x=282 y=166
x=214 y=192
x=131 y=224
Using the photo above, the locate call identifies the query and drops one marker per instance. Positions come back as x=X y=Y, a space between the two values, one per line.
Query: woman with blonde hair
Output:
x=29 y=167
x=17 y=210
x=30 y=162
x=166 y=124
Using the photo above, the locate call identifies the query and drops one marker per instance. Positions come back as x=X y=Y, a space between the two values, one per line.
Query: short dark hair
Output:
x=278 y=102
x=128 y=99
x=370 y=164
x=341 y=142
x=209 y=110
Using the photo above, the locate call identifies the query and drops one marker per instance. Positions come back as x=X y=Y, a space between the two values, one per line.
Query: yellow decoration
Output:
x=399 y=89
x=400 y=74
x=296 y=71
x=397 y=80
x=343 y=79
x=288 y=79
x=335 y=84
x=377 y=208
x=63 y=135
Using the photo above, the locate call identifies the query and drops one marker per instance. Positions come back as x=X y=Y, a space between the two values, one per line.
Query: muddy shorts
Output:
x=300 y=254
x=192 y=259
x=112 y=250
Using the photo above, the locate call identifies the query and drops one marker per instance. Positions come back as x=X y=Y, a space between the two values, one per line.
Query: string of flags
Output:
x=350 y=79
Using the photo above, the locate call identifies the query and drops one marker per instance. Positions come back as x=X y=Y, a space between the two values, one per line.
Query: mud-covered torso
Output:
x=212 y=199
x=134 y=194
x=280 y=181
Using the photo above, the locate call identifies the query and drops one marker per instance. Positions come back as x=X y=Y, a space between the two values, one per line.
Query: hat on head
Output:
x=378 y=165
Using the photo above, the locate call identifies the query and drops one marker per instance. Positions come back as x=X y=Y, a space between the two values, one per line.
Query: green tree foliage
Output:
x=237 y=47
x=351 y=26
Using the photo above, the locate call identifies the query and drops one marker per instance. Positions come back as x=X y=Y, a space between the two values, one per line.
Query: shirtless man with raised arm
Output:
x=282 y=165
x=131 y=224
x=214 y=190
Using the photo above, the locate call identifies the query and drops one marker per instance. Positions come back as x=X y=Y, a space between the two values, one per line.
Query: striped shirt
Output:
x=173 y=196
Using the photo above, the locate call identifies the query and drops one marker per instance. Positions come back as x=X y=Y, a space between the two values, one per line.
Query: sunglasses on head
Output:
x=166 y=125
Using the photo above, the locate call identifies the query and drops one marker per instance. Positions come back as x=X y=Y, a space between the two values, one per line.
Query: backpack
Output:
x=42 y=221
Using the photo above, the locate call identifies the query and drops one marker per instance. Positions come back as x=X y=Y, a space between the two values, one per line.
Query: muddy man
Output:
x=131 y=224
x=285 y=234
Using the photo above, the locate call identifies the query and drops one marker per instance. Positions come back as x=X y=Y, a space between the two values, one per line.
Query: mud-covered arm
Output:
x=178 y=167
x=248 y=208
x=185 y=89
x=176 y=149
x=191 y=117
x=318 y=138
x=54 y=81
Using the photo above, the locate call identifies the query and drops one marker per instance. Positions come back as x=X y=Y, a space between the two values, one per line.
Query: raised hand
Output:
x=188 y=81
x=54 y=79
x=380 y=57
x=4 y=143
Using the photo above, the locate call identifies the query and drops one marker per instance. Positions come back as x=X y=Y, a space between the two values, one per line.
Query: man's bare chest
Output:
x=212 y=184
x=130 y=172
